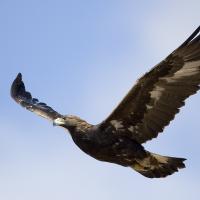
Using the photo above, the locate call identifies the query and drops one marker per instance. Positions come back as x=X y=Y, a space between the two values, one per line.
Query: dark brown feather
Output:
x=157 y=166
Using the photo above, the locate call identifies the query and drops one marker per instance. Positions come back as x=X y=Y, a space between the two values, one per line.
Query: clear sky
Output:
x=82 y=57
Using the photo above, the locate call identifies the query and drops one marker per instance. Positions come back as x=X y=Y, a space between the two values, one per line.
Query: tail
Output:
x=157 y=166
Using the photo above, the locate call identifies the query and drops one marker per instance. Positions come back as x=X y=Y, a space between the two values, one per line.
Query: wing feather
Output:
x=25 y=99
x=158 y=95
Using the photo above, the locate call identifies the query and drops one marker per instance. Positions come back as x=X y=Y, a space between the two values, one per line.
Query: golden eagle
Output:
x=144 y=112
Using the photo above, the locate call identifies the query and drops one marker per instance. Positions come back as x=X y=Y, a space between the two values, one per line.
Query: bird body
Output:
x=119 y=149
x=102 y=145
x=144 y=113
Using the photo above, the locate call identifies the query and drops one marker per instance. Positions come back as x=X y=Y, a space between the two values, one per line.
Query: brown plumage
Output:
x=145 y=111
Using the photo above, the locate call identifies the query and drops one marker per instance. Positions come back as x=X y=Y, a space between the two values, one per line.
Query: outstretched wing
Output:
x=24 y=98
x=153 y=102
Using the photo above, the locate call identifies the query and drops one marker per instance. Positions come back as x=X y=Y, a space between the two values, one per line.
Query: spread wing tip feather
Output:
x=191 y=37
x=19 y=75
x=17 y=86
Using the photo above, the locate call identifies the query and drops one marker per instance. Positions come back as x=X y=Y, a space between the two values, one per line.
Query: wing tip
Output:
x=19 y=76
x=191 y=37
x=16 y=86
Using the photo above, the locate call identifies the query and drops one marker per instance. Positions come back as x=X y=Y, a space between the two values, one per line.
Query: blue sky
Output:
x=82 y=57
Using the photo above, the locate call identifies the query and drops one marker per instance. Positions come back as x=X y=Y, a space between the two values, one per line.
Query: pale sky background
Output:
x=81 y=57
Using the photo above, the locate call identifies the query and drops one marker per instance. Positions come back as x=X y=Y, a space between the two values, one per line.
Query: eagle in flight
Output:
x=144 y=112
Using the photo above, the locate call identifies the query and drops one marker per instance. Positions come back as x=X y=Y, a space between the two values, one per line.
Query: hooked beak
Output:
x=58 y=122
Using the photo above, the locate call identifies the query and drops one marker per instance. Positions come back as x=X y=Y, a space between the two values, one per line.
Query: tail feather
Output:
x=157 y=166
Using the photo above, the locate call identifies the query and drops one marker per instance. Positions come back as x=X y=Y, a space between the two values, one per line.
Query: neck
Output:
x=81 y=127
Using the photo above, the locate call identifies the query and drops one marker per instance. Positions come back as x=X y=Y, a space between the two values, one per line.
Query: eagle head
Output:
x=71 y=122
